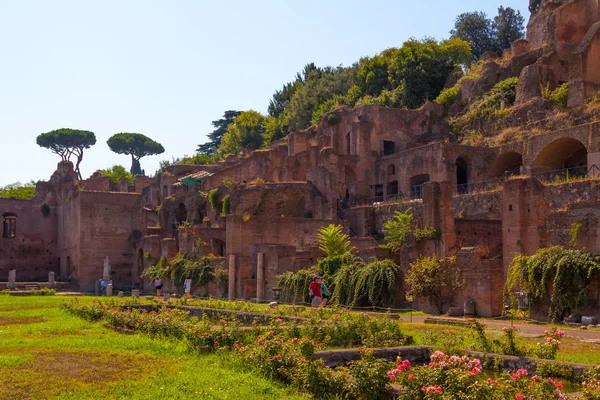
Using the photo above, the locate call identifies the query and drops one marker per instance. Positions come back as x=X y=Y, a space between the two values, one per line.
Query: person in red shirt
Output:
x=315 y=292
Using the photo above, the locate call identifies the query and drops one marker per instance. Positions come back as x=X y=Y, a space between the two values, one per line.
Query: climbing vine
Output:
x=574 y=235
x=226 y=205
x=212 y=198
x=559 y=275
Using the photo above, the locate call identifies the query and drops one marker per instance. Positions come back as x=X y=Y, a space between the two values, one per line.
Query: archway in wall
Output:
x=218 y=248
x=350 y=183
x=462 y=175
x=560 y=154
x=510 y=162
x=416 y=185
x=181 y=213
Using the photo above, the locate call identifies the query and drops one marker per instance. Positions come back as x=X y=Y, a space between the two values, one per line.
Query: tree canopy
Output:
x=477 y=29
x=486 y=35
x=136 y=145
x=508 y=26
x=216 y=136
x=116 y=173
x=18 y=191
x=67 y=142
x=245 y=132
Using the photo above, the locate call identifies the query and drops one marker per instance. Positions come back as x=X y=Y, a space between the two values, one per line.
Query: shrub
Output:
x=294 y=285
x=562 y=276
x=333 y=119
x=226 y=205
x=395 y=230
x=258 y=182
x=43 y=292
x=461 y=377
x=213 y=195
x=448 y=96
x=560 y=95
x=489 y=104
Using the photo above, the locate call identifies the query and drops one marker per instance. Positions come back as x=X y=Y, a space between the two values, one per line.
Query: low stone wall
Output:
x=337 y=358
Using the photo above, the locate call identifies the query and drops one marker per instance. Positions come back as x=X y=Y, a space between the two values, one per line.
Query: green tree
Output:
x=246 y=132
x=216 y=136
x=67 y=142
x=18 y=191
x=476 y=29
x=395 y=230
x=429 y=276
x=136 y=145
x=319 y=85
x=333 y=241
x=116 y=173
x=196 y=159
x=508 y=26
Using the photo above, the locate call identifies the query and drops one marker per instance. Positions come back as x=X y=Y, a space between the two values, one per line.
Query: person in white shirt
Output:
x=187 y=286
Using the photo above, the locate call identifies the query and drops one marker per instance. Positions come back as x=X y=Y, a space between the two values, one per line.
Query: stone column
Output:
x=260 y=276
x=232 y=277
x=109 y=290
x=12 y=279
x=51 y=279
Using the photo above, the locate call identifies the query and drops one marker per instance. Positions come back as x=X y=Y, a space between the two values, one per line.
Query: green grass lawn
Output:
x=47 y=354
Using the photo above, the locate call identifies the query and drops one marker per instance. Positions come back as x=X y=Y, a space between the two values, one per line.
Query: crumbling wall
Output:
x=33 y=250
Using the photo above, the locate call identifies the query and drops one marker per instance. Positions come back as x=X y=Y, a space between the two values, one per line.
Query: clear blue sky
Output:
x=169 y=68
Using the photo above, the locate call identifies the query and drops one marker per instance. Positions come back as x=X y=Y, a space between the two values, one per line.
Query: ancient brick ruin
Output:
x=356 y=168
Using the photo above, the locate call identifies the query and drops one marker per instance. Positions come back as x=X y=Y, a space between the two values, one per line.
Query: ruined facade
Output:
x=356 y=168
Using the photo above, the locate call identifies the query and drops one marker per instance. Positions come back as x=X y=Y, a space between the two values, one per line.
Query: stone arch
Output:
x=9 y=225
x=181 y=213
x=416 y=185
x=561 y=154
x=510 y=162
x=391 y=170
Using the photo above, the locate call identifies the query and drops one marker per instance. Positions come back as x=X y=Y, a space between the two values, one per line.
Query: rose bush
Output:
x=454 y=377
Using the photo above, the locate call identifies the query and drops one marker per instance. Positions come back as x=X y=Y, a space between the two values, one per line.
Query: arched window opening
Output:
x=9 y=230
x=462 y=175
x=348 y=144
x=416 y=185
x=391 y=170
x=165 y=192
x=181 y=214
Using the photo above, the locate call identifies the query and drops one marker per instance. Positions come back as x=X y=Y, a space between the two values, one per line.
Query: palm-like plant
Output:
x=333 y=241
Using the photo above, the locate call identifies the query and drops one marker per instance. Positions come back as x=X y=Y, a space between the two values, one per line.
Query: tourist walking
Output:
x=187 y=286
x=315 y=292
x=158 y=285
x=324 y=293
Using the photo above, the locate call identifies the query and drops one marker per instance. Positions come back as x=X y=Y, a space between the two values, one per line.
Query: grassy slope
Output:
x=46 y=353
